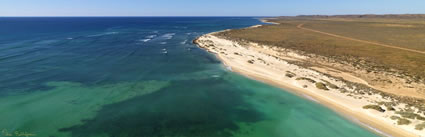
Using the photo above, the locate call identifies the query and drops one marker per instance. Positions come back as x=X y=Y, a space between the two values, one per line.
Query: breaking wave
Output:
x=103 y=34
x=168 y=35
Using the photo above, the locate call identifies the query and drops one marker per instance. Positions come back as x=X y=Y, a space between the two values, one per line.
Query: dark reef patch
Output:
x=174 y=111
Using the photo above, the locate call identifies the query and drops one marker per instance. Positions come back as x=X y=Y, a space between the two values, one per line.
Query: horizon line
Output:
x=216 y=15
x=138 y=16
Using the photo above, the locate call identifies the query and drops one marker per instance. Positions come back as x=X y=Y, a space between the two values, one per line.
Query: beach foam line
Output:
x=311 y=98
x=375 y=130
x=369 y=127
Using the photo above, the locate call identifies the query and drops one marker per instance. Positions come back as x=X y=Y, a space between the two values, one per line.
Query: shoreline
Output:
x=348 y=108
x=266 y=21
x=366 y=122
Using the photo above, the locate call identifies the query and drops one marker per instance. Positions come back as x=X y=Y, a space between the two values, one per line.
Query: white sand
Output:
x=270 y=66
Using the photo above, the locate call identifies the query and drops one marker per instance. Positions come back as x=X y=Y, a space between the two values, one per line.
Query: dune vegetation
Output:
x=374 y=55
x=360 y=41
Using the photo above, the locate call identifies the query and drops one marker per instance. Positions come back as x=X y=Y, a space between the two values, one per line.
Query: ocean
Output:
x=141 y=77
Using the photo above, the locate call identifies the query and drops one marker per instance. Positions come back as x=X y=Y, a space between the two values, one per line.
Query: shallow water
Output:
x=141 y=77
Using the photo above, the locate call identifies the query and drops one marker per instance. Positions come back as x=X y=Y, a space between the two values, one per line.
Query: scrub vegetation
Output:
x=360 y=42
x=375 y=107
x=379 y=46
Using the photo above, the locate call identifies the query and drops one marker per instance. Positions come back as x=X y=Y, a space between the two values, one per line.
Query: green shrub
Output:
x=403 y=121
x=395 y=117
x=308 y=79
x=420 y=126
x=390 y=108
x=408 y=115
x=343 y=90
x=321 y=85
x=290 y=74
x=375 y=107
x=330 y=85
x=420 y=118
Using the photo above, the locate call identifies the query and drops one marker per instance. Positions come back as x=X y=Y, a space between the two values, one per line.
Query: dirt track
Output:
x=300 y=26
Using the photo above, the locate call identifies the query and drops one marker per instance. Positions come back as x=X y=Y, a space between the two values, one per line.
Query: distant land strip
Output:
x=300 y=26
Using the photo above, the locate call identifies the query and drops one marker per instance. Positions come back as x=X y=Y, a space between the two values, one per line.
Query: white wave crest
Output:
x=184 y=42
x=150 y=36
x=103 y=34
x=168 y=35
x=145 y=40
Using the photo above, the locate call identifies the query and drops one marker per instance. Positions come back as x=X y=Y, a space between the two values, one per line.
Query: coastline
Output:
x=270 y=69
x=266 y=21
x=364 y=121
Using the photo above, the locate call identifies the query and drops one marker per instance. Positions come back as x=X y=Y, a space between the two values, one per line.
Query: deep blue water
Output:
x=141 y=76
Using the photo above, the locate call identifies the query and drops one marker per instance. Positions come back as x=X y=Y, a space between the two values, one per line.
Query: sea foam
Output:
x=229 y=68
x=184 y=42
x=376 y=130
x=103 y=34
x=145 y=40
x=168 y=35
x=310 y=98
x=150 y=36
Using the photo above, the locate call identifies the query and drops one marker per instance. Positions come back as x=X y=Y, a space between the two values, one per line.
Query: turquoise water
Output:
x=141 y=77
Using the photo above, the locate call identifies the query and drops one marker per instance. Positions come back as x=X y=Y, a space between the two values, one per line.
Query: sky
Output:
x=207 y=7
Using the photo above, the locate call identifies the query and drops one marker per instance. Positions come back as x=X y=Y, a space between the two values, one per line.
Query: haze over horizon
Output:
x=207 y=8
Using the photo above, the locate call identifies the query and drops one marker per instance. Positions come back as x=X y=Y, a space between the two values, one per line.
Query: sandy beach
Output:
x=268 y=65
